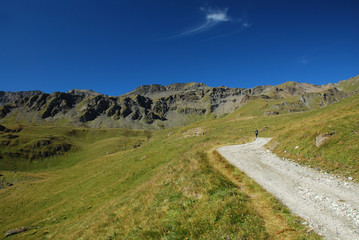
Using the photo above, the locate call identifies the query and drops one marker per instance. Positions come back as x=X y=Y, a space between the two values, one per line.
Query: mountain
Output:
x=157 y=106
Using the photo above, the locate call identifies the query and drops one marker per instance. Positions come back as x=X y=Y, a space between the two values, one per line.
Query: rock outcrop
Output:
x=13 y=97
x=83 y=92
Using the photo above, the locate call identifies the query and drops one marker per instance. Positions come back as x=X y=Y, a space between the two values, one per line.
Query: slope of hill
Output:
x=350 y=85
x=169 y=183
x=162 y=185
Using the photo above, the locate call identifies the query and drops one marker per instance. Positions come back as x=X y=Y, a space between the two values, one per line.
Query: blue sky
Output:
x=114 y=46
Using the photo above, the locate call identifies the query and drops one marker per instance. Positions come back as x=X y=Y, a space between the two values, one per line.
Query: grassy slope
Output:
x=340 y=153
x=350 y=85
x=82 y=141
x=174 y=185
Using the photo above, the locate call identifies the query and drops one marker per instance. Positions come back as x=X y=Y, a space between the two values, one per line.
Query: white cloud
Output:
x=212 y=18
x=217 y=15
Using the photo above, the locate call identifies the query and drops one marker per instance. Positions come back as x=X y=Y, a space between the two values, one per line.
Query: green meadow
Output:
x=164 y=184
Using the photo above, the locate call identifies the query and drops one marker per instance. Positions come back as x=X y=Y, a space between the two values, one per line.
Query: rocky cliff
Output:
x=12 y=97
x=157 y=106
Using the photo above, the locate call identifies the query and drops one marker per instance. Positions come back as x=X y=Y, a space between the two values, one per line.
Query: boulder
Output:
x=323 y=138
x=269 y=113
x=15 y=231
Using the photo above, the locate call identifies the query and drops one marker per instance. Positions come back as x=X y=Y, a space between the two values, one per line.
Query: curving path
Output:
x=330 y=205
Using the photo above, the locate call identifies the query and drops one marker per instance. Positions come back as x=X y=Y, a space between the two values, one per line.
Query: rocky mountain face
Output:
x=12 y=97
x=157 y=106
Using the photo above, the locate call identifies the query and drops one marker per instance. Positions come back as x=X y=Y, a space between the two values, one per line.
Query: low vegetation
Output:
x=165 y=184
x=339 y=154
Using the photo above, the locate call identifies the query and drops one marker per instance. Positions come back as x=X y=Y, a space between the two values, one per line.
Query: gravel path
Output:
x=329 y=205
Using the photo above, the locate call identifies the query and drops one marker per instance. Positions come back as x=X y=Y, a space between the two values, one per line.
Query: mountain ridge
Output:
x=158 y=106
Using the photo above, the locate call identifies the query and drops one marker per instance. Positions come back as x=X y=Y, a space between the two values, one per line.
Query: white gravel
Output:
x=329 y=204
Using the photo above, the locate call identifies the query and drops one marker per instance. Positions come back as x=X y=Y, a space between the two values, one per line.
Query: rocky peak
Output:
x=192 y=86
x=83 y=92
x=147 y=90
x=296 y=88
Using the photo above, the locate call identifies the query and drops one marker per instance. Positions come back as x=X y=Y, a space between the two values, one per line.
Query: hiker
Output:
x=256 y=133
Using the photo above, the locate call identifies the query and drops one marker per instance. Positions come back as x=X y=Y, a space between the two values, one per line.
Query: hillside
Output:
x=138 y=185
x=60 y=181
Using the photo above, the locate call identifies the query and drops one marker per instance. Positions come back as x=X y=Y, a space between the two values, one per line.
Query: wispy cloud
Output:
x=212 y=18
x=216 y=15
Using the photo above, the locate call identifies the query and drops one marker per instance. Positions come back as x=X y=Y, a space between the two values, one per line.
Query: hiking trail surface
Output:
x=329 y=204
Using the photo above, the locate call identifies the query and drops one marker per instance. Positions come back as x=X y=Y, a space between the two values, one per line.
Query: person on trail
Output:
x=256 y=133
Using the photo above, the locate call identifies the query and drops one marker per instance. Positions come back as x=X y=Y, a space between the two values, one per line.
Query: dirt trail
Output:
x=329 y=205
